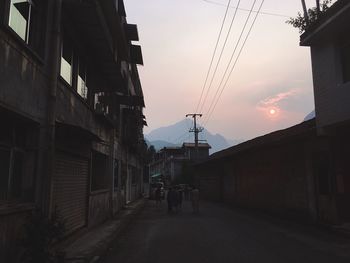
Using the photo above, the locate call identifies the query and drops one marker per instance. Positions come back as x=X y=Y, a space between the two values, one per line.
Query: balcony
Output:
x=105 y=109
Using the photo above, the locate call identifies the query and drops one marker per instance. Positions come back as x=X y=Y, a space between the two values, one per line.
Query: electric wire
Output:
x=219 y=60
x=247 y=10
x=214 y=53
x=235 y=63
x=230 y=61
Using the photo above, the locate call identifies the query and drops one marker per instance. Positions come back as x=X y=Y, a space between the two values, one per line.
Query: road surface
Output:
x=222 y=234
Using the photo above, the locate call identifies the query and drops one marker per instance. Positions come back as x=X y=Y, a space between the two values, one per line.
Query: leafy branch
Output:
x=313 y=15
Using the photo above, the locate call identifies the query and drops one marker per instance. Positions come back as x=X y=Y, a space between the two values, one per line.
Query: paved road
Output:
x=221 y=234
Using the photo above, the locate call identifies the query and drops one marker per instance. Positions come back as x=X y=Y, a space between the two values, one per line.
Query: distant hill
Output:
x=159 y=144
x=310 y=116
x=177 y=133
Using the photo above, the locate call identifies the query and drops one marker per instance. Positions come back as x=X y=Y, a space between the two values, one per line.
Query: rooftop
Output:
x=301 y=130
x=192 y=145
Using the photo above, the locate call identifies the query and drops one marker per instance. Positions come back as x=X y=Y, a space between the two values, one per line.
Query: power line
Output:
x=229 y=63
x=219 y=60
x=180 y=138
x=234 y=65
x=247 y=10
x=214 y=53
x=196 y=130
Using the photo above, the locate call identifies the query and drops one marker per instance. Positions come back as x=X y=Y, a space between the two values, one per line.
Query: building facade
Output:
x=71 y=105
x=329 y=42
x=169 y=162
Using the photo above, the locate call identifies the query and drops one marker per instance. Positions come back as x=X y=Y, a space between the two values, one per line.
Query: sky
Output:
x=269 y=89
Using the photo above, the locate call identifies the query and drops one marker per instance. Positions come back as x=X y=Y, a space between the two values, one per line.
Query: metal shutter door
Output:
x=71 y=189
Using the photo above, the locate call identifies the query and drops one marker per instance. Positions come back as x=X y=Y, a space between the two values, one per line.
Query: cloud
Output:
x=274 y=101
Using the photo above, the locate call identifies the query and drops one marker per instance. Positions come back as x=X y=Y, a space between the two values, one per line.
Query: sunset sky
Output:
x=269 y=89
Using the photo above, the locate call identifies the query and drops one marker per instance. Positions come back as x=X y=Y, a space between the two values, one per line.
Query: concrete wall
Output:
x=274 y=178
x=11 y=229
x=72 y=109
x=99 y=208
x=332 y=96
x=23 y=85
x=341 y=147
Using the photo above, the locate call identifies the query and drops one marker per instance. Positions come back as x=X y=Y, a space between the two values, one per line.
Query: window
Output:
x=66 y=62
x=101 y=103
x=81 y=83
x=27 y=19
x=20 y=17
x=345 y=57
x=74 y=69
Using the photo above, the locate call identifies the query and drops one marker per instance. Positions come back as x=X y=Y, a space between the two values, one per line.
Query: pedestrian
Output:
x=187 y=193
x=158 y=196
x=195 y=200
x=175 y=199
x=170 y=197
x=179 y=198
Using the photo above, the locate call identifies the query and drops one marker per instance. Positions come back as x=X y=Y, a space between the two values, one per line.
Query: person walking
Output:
x=179 y=198
x=171 y=198
x=187 y=193
x=158 y=196
x=195 y=200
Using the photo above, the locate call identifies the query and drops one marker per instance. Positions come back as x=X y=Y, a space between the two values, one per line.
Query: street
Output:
x=221 y=234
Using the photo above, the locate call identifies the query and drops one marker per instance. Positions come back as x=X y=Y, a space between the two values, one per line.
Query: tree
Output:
x=313 y=14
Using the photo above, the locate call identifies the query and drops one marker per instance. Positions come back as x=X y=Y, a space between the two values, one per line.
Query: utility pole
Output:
x=318 y=7
x=306 y=15
x=195 y=130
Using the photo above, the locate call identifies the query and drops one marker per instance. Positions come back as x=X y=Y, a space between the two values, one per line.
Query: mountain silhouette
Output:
x=310 y=116
x=176 y=134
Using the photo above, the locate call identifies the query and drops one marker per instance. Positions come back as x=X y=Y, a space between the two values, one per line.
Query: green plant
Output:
x=313 y=15
x=40 y=235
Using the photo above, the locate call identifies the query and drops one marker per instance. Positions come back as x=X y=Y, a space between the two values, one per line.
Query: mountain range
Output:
x=176 y=134
x=310 y=116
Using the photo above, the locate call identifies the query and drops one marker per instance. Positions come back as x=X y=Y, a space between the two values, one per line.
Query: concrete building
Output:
x=169 y=161
x=302 y=171
x=329 y=42
x=71 y=110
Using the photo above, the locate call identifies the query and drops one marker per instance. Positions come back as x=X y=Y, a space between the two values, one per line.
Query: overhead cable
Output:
x=235 y=63
x=214 y=53
x=246 y=10
x=219 y=60
x=230 y=61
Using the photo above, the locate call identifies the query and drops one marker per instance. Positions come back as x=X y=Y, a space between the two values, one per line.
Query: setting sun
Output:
x=272 y=111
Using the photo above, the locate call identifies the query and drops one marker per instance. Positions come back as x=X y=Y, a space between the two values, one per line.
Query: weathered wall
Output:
x=273 y=178
x=23 y=86
x=210 y=181
x=99 y=208
x=71 y=109
x=11 y=229
x=332 y=96
x=342 y=174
